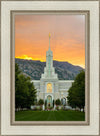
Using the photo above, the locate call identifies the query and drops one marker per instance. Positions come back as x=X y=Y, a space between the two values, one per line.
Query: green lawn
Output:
x=49 y=116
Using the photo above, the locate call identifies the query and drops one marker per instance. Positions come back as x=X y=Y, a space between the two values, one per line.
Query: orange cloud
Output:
x=67 y=37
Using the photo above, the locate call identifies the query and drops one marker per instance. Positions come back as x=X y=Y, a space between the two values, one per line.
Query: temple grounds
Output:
x=49 y=116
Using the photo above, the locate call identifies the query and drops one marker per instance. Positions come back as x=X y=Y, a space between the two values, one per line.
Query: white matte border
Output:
x=6 y=7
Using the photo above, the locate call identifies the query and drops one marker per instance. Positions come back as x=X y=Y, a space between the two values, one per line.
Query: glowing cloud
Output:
x=67 y=37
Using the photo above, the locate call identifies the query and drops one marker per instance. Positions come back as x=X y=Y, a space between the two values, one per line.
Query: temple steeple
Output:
x=49 y=57
x=49 y=71
x=49 y=52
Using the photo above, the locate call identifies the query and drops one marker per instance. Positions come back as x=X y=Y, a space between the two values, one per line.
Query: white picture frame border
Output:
x=93 y=8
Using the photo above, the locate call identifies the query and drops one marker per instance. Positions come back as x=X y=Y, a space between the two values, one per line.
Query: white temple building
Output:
x=49 y=87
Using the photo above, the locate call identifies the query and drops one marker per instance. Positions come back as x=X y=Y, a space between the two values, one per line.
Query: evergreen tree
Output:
x=25 y=93
x=58 y=102
x=45 y=103
x=41 y=102
x=53 y=103
x=76 y=94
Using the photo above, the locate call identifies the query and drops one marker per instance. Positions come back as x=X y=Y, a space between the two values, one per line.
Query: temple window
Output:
x=49 y=88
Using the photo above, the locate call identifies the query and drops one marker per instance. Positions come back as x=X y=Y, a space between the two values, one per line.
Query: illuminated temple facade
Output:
x=49 y=87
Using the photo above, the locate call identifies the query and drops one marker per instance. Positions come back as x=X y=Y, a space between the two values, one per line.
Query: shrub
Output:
x=41 y=102
x=57 y=108
x=58 y=102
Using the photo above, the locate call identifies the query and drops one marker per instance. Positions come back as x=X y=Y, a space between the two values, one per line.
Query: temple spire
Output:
x=49 y=40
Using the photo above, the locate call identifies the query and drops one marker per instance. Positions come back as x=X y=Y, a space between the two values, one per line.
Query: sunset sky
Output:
x=67 y=37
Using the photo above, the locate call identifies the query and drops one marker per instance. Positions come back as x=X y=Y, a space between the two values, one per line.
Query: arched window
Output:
x=63 y=101
x=49 y=88
x=49 y=101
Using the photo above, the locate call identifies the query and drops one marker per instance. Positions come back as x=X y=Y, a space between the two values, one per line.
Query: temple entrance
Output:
x=49 y=101
x=63 y=101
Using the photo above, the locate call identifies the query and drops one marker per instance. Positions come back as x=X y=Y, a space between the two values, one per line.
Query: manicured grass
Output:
x=49 y=116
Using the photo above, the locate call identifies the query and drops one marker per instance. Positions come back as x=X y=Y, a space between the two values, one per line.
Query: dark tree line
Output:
x=76 y=94
x=25 y=93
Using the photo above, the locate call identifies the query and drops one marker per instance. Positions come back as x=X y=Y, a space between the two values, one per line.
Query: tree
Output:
x=53 y=103
x=31 y=98
x=41 y=102
x=17 y=72
x=25 y=93
x=76 y=94
x=45 y=103
x=58 y=102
